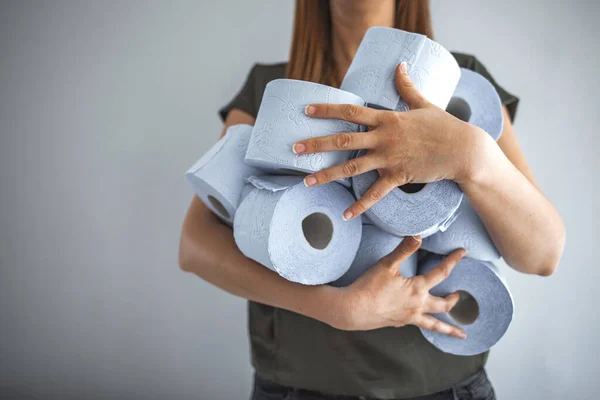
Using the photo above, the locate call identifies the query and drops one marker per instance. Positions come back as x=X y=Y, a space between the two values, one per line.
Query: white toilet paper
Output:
x=218 y=177
x=425 y=212
x=467 y=232
x=484 y=312
x=281 y=122
x=374 y=245
x=433 y=70
x=476 y=101
x=297 y=231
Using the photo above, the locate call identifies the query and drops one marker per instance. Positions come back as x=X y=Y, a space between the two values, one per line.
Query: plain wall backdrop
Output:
x=104 y=105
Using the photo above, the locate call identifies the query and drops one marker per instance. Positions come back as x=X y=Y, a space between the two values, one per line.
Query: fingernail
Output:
x=464 y=253
x=347 y=215
x=404 y=67
x=310 y=181
x=299 y=148
x=462 y=335
x=310 y=110
x=417 y=238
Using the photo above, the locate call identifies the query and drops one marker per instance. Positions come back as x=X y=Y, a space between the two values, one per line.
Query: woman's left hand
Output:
x=425 y=144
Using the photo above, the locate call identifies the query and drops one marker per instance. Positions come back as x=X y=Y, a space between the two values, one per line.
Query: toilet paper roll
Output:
x=484 y=311
x=467 y=232
x=432 y=69
x=281 y=122
x=297 y=231
x=476 y=101
x=424 y=212
x=247 y=189
x=218 y=177
x=374 y=245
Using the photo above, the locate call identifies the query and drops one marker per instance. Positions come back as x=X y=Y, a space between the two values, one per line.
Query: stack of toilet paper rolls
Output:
x=252 y=180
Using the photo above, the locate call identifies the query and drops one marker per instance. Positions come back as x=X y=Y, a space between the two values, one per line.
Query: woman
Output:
x=324 y=342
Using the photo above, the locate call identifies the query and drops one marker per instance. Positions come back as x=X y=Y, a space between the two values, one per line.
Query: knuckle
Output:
x=447 y=270
x=411 y=312
x=350 y=168
x=359 y=206
x=316 y=145
x=342 y=141
x=323 y=176
x=385 y=261
x=400 y=179
x=437 y=326
x=388 y=181
x=349 y=111
x=415 y=290
x=375 y=195
x=423 y=297
x=388 y=117
x=410 y=244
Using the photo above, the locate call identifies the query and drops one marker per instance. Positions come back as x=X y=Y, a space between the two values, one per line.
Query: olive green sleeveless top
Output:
x=300 y=352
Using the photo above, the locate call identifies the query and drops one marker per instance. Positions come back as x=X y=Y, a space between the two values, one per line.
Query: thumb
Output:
x=407 y=90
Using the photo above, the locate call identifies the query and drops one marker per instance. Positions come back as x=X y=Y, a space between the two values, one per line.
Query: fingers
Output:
x=407 y=90
x=405 y=249
x=376 y=192
x=347 y=112
x=346 y=169
x=435 y=325
x=336 y=142
x=441 y=304
x=443 y=270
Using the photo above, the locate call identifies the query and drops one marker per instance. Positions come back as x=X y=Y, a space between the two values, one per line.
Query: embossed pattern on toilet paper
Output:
x=281 y=122
x=432 y=69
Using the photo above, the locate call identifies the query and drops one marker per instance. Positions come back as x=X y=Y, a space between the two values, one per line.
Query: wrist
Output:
x=479 y=149
x=330 y=305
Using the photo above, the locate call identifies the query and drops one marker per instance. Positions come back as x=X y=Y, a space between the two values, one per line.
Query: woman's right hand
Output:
x=382 y=297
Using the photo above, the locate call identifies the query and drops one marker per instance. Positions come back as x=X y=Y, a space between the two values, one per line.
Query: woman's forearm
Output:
x=208 y=250
x=525 y=227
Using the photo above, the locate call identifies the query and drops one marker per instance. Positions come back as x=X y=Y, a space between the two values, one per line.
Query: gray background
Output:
x=105 y=104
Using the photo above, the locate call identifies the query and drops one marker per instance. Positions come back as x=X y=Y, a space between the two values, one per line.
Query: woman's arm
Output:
x=208 y=250
x=380 y=298
x=427 y=144
x=525 y=227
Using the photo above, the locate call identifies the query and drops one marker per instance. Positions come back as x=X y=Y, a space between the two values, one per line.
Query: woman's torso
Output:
x=297 y=351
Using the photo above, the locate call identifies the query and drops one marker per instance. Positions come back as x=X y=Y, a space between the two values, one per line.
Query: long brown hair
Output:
x=311 y=57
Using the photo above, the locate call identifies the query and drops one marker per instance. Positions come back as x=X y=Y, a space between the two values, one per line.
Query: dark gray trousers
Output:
x=477 y=387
